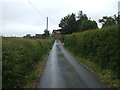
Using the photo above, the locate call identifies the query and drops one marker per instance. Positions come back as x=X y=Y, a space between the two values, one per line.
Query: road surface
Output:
x=62 y=70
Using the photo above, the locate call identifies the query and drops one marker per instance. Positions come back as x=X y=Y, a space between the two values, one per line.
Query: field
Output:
x=100 y=47
x=20 y=57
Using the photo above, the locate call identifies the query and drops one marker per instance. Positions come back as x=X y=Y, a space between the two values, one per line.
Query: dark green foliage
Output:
x=118 y=19
x=100 y=46
x=68 y=24
x=19 y=59
x=107 y=21
x=46 y=33
x=87 y=25
x=84 y=23
x=81 y=16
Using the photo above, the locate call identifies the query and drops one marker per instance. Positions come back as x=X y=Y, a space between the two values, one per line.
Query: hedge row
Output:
x=101 y=46
x=20 y=57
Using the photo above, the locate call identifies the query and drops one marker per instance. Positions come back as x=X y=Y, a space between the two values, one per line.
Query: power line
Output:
x=33 y=7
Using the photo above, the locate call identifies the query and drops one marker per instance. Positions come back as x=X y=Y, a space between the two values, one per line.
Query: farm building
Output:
x=56 y=34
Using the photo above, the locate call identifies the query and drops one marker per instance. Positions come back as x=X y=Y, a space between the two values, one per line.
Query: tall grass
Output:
x=100 y=46
x=20 y=57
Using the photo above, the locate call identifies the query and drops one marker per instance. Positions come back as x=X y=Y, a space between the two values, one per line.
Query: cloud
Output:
x=21 y=29
x=20 y=17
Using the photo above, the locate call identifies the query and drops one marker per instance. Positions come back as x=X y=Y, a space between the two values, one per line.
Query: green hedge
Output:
x=19 y=58
x=100 y=46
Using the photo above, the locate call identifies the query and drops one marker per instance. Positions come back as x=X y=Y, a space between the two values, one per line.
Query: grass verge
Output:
x=19 y=59
x=105 y=76
x=37 y=73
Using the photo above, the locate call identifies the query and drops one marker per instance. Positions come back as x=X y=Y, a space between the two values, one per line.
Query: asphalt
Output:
x=62 y=70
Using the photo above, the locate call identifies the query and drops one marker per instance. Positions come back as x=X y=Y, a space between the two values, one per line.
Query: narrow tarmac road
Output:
x=62 y=70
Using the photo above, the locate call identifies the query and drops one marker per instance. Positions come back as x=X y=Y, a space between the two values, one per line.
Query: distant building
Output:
x=56 y=34
x=38 y=35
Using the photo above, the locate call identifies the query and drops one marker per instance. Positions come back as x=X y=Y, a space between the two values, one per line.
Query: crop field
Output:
x=19 y=58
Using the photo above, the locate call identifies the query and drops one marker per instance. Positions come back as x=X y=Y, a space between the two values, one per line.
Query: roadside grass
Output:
x=31 y=83
x=99 y=49
x=20 y=59
x=106 y=76
x=100 y=46
x=71 y=69
x=68 y=63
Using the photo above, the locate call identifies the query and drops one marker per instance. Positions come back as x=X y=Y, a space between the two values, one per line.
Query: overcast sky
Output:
x=21 y=17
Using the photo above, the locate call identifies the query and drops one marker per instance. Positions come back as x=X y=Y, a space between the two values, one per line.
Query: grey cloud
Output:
x=21 y=18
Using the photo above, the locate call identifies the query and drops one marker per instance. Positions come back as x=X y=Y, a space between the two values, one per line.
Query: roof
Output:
x=57 y=31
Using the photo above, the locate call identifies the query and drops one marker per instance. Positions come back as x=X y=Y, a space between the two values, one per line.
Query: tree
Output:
x=117 y=19
x=27 y=36
x=81 y=17
x=84 y=24
x=68 y=24
x=46 y=33
x=107 y=21
x=88 y=25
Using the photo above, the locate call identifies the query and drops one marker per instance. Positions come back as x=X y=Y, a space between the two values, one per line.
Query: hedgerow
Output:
x=19 y=59
x=101 y=46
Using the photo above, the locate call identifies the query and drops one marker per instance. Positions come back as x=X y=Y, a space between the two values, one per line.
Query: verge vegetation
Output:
x=99 y=48
x=20 y=58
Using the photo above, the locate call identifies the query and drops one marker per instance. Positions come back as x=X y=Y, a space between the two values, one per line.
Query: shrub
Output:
x=20 y=57
x=100 y=46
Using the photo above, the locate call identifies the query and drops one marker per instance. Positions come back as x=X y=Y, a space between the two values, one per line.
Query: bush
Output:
x=100 y=46
x=20 y=57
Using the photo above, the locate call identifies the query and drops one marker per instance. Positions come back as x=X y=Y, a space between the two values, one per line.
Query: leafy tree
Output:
x=88 y=25
x=118 y=19
x=68 y=24
x=46 y=33
x=81 y=17
x=28 y=35
x=85 y=24
x=107 y=21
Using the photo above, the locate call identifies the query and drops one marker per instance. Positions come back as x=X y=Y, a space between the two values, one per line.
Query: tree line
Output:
x=72 y=23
